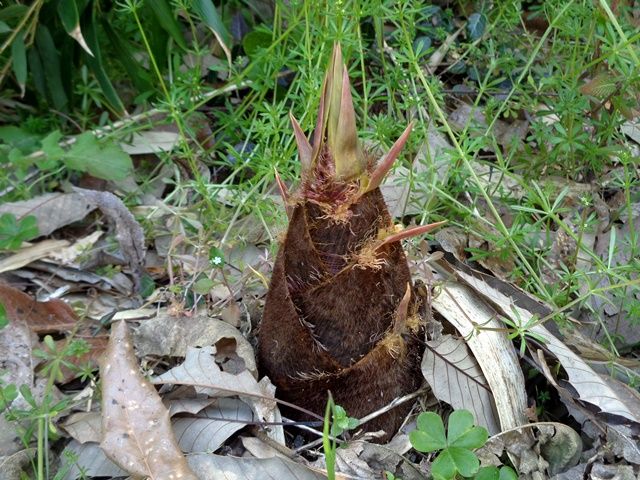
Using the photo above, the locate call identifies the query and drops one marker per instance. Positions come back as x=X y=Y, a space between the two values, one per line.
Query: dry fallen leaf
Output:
x=52 y=210
x=41 y=317
x=211 y=427
x=201 y=371
x=216 y=467
x=172 y=335
x=137 y=433
x=456 y=378
x=128 y=231
x=589 y=386
x=31 y=253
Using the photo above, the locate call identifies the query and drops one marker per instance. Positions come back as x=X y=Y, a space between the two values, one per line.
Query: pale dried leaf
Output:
x=84 y=426
x=201 y=371
x=137 y=434
x=215 y=467
x=172 y=335
x=212 y=426
x=52 y=210
x=31 y=253
x=68 y=255
x=89 y=462
x=589 y=385
x=189 y=405
x=259 y=448
x=456 y=378
x=16 y=342
x=466 y=311
x=367 y=460
x=632 y=129
x=560 y=445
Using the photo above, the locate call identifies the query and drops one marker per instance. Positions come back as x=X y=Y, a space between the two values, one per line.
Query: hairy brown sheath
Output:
x=340 y=312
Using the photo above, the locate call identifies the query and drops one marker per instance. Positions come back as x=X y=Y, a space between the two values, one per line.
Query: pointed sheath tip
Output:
x=387 y=162
x=402 y=311
x=305 y=152
x=284 y=193
x=411 y=232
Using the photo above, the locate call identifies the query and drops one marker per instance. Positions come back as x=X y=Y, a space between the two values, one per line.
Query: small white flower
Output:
x=216 y=260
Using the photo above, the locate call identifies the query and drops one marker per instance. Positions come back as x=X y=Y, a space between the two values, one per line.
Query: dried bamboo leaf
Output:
x=591 y=388
x=466 y=311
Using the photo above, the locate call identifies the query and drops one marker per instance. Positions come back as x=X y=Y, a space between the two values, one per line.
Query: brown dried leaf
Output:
x=137 y=432
x=212 y=426
x=173 y=335
x=520 y=307
x=88 y=461
x=465 y=311
x=84 y=426
x=41 y=317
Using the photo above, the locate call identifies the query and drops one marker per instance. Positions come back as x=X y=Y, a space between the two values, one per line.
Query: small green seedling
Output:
x=456 y=446
x=342 y=422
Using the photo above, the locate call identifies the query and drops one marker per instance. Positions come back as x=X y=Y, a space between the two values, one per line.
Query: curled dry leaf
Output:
x=128 y=231
x=212 y=426
x=137 y=434
x=87 y=460
x=172 y=335
x=216 y=467
x=466 y=311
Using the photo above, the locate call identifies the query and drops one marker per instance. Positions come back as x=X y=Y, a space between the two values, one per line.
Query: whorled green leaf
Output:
x=430 y=435
x=167 y=19
x=68 y=13
x=14 y=232
x=19 y=61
